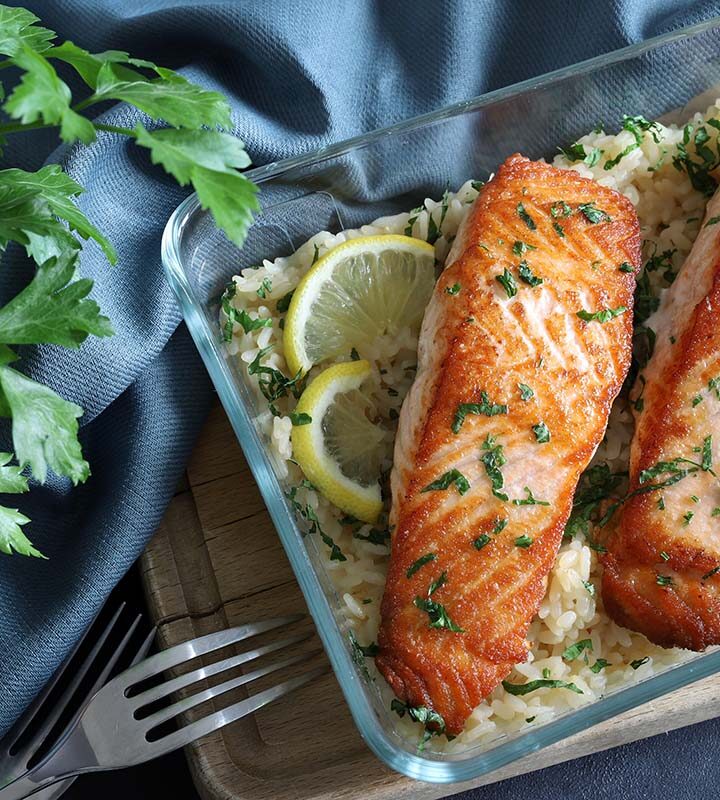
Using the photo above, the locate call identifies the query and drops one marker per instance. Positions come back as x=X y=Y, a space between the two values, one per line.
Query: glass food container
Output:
x=393 y=170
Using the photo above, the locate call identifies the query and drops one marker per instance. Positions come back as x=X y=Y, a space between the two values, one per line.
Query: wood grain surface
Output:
x=217 y=561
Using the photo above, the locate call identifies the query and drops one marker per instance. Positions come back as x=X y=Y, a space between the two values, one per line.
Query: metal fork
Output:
x=18 y=748
x=111 y=732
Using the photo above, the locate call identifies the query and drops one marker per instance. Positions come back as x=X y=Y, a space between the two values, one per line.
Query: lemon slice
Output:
x=364 y=288
x=341 y=450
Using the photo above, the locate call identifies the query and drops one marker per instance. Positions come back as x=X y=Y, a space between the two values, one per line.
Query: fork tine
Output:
x=219 y=719
x=22 y=724
x=166 y=688
x=144 y=647
x=54 y=714
x=198 y=647
x=187 y=703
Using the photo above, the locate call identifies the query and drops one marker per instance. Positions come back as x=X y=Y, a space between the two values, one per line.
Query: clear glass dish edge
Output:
x=431 y=769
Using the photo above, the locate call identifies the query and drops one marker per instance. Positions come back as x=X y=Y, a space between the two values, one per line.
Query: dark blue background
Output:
x=299 y=75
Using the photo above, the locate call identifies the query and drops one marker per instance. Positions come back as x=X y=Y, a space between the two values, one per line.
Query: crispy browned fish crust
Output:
x=481 y=340
x=659 y=574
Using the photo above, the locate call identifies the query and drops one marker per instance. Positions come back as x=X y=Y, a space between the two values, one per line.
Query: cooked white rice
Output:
x=670 y=211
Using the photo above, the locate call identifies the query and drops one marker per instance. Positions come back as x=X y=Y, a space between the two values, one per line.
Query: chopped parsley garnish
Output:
x=264 y=288
x=451 y=478
x=706 y=464
x=523 y=541
x=714 y=385
x=525 y=217
x=712 y=221
x=697 y=400
x=572 y=652
x=508 y=282
x=437 y=614
x=521 y=689
x=593 y=214
x=601 y=316
x=694 y=498
x=433 y=229
x=238 y=316
x=284 y=302
x=307 y=512
x=300 y=418
x=433 y=722
x=664 y=580
x=559 y=229
x=542 y=432
x=316 y=254
x=712 y=572
x=636 y=125
x=687 y=517
x=374 y=536
x=499 y=525
x=437 y=583
x=354 y=355
x=601 y=663
x=715 y=512
x=560 y=209
x=700 y=172
x=590 y=588
x=273 y=384
x=493 y=459
x=415 y=566
x=664 y=556
x=520 y=248
x=526 y=393
x=661 y=504
x=484 y=407
x=526 y=275
x=530 y=500
x=638 y=662
x=477 y=185
x=454 y=289
x=626 y=266
x=412 y=219
x=576 y=152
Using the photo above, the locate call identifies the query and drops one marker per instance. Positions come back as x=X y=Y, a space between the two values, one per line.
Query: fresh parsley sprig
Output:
x=38 y=212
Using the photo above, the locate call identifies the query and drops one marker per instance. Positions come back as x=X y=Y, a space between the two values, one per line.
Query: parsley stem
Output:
x=17 y=127
x=114 y=129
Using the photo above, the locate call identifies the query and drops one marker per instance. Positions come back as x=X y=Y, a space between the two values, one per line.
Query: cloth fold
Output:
x=298 y=76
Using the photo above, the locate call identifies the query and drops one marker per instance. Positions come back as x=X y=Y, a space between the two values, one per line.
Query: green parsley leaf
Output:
x=599 y=664
x=508 y=282
x=49 y=190
x=415 y=566
x=601 y=316
x=697 y=400
x=484 y=407
x=44 y=427
x=481 y=541
x=171 y=98
x=626 y=266
x=437 y=583
x=18 y=28
x=706 y=464
x=437 y=614
x=298 y=419
x=712 y=572
x=558 y=228
x=523 y=541
x=530 y=500
x=526 y=393
x=12 y=481
x=525 y=217
x=712 y=221
x=593 y=214
x=526 y=275
x=521 y=689
x=88 y=66
x=572 y=652
x=454 y=289
x=53 y=309
x=542 y=432
x=426 y=716
x=638 y=662
x=284 y=302
x=451 y=478
x=560 y=209
x=209 y=160
x=355 y=356
x=520 y=248
x=664 y=580
x=590 y=588
x=265 y=288
x=42 y=96
x=12 y=538
x=493 y=459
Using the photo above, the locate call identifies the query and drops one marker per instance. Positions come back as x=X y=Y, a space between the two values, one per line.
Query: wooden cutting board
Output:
x=216 y=561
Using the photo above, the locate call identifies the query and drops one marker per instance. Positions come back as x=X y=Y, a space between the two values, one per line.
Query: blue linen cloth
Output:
x=298 y=75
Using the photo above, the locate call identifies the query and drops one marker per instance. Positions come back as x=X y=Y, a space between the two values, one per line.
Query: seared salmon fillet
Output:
x=661 y=572
x=524 y=345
